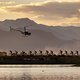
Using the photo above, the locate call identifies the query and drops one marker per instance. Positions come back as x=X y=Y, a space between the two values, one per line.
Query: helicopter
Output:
x=25 y=33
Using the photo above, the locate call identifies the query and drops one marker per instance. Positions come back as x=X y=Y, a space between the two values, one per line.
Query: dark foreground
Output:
x=40 y=59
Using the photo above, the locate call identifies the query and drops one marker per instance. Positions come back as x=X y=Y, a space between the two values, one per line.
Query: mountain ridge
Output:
x=42 y=37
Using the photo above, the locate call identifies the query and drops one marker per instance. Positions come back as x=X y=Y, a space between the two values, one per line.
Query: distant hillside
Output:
x=43 y=37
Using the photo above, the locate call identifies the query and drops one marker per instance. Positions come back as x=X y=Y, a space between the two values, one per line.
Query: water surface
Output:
x=39 y=72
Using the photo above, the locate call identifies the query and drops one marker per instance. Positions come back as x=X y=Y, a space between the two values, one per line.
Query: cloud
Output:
x=49 y=11
x=7 y=3
x=64 y=9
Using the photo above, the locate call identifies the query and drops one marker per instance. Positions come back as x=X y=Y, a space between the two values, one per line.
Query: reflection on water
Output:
x=39 y=72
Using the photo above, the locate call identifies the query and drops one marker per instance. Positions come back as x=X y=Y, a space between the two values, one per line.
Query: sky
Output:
x=48 y=12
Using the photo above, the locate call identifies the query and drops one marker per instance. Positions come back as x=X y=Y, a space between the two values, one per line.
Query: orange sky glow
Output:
x=48 y=12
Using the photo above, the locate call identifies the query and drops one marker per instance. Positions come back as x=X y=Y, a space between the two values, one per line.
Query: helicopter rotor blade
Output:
x=25 y=28
x=12 y=29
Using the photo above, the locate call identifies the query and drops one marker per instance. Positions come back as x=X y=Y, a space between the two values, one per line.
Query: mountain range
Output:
x=42 y=36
